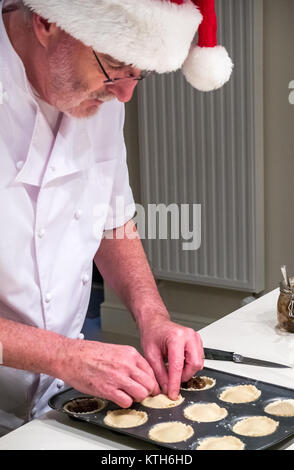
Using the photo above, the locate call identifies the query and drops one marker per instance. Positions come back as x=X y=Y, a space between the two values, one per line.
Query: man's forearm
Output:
x=32 y=349
x=117 y=373
x=124 y=266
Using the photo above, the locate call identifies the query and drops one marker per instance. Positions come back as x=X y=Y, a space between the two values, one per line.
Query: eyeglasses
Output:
x=143 y=74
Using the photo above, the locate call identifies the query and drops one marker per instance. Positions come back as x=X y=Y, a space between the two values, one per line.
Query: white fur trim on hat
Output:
x=150 y=34
x=207 y=68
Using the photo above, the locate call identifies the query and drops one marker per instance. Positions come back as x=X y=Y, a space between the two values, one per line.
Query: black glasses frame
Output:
x=143 y=74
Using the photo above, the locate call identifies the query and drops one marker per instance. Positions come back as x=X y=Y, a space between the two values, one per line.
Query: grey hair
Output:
x=28 y=13
x=19 y=5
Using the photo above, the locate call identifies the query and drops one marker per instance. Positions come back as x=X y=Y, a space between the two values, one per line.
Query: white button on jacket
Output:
x=85 y=279
x=44 y=250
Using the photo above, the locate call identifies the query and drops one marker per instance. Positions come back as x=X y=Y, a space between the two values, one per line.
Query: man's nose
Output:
x=124 y=89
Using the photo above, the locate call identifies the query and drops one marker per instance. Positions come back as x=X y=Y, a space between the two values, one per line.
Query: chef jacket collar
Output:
x=72 y=152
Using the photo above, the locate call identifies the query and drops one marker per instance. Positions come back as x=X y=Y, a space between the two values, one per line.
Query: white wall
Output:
x=196 y=305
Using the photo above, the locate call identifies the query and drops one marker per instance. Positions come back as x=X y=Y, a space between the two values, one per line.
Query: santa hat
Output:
x=152 y=35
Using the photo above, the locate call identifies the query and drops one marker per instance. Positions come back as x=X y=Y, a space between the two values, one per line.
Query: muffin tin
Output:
x=269 y=392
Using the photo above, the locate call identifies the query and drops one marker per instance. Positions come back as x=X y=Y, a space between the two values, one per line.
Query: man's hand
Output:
x=162 y=340
x=124 y=266
x=117 y=373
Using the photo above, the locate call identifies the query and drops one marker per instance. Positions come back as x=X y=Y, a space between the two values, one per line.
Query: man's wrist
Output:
x=155 y=313
x=66 y=349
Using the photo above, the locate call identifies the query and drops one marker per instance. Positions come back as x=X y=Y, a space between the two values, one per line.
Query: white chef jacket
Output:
x=57 y=196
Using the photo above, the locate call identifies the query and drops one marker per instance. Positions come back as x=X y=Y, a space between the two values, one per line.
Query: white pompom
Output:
x=207 y=68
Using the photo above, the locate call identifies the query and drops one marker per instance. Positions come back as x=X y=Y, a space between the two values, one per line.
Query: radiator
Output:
x=207 y=149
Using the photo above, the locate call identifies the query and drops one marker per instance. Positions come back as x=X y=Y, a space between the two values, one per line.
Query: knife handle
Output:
x=217 y=354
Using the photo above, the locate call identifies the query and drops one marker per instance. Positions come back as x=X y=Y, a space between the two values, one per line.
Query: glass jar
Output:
x=286 y=308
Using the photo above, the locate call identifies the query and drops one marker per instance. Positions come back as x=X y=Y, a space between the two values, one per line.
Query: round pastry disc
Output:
x=255 y=426
x=125 y=418
x=173 y=431
x=240 y=394
x=161 y=401
x=205 y=412
x=280 y=408
x=221 y=443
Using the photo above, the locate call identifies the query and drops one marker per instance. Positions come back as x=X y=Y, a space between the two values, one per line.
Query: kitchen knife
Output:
x=220 y=355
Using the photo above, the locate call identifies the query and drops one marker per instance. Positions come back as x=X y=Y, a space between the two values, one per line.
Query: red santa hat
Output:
x=152 y=35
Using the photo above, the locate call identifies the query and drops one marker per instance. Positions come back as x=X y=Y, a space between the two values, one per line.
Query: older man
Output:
x=62 y=167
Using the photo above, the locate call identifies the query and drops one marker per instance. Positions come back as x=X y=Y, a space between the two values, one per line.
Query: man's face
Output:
x=75 y=82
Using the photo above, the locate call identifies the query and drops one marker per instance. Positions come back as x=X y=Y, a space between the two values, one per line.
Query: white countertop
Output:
x=249 y=331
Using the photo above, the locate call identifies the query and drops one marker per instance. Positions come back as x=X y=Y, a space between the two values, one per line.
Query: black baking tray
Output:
x=269 y=392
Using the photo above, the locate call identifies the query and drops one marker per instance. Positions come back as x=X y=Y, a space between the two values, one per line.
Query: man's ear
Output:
x=43 y=29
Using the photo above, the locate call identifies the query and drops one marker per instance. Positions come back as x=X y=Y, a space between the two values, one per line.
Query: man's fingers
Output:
x=156 y=361
x=176 y=358
x=147 y=368
x=193 y=358
x=135 y=390
x=144 y=379
x=121 y=398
